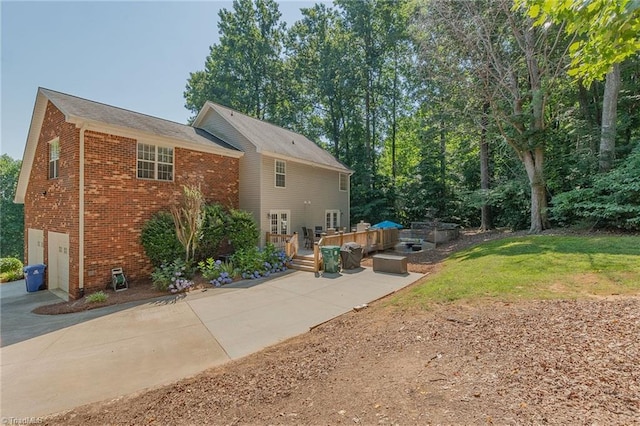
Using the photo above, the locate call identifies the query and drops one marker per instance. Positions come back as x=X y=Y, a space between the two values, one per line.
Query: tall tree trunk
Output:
x=533 y=163
x=609 y=116
x=486 y=221
x=443 y=157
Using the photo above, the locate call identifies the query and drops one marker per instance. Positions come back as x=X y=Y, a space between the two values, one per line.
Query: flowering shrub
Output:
x=217 y=272
x=180 y=284
x=174 y=276
x=255 y=263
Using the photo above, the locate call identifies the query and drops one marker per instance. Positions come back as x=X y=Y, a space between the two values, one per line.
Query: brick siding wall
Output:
x=117 y=203
x=52 y=204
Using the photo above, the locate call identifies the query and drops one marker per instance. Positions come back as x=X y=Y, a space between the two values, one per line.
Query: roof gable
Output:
x=273 y=140
x=79 y=109
x=102 y=117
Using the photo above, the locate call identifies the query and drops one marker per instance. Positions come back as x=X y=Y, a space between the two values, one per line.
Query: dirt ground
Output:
x=541 y=362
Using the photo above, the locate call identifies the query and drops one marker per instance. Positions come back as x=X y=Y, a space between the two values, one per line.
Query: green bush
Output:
x=242 y=230
x=97 y=297
x=213 y=231
x=167 y=275
x=159 y=239
x=217 y=272
x=10 y=264
x=253 y=263
x=613 y=201
x=10 y=269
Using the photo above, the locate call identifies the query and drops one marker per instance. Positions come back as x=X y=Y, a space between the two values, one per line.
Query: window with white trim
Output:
x=155 y=162
x=344 y=182
x=281 y=173
x=54 y=159
x=332 y=219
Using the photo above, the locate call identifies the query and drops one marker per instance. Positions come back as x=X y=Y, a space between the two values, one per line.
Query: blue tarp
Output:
x=387 y=224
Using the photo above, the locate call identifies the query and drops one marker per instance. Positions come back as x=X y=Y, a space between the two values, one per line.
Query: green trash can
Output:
x=330 y=258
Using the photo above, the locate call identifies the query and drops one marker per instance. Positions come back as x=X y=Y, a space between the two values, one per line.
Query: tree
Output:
x=188 y=217
x=609 y=117
x=606 y=32
x=11 y=214
x=515 y=65
x=244 y=71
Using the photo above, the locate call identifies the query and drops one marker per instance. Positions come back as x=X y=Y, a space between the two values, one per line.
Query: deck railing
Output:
x=370 y=240
x=286 y=242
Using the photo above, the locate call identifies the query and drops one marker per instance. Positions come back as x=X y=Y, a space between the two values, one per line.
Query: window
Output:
x=155 y=162
x=281 y=168
x=54 y=158
x=332 y=219
x=344 y=181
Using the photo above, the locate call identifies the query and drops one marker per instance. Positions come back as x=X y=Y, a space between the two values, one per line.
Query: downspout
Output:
x=83 y=128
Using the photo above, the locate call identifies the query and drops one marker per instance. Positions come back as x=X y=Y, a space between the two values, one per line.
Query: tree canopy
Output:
x=459 y=111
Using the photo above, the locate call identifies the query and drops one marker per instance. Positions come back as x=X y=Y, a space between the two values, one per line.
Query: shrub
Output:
x=242 y=230
x=9 y=264
x=217 y=272
x=612 y=201
x=11 y=269
x=253 y=263
x=174 y=276
x=97 y=297
x=213 y=231
x=159 y=239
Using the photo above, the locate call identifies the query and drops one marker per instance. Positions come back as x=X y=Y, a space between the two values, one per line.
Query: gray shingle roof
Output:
x=269 y=138
x=95 y=111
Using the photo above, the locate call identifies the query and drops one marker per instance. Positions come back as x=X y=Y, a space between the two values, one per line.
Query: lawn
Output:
x=533 y=267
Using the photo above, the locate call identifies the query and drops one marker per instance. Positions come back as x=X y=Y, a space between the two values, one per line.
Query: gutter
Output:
x=83 y=128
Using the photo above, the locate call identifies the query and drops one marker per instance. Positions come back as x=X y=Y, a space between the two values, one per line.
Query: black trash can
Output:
x=351 y=255
x=34 y=277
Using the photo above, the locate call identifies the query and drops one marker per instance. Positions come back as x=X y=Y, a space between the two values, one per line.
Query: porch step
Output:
x=302 y=263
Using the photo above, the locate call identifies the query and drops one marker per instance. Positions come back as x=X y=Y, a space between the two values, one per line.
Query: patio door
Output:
x=332 y=219
x=280 y=221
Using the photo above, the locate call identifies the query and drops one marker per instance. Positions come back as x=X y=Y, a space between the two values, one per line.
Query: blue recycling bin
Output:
x=34 y=277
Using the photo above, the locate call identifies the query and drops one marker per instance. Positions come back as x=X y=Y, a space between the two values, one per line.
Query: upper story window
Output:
x=281 y=173
x=155 y=162
x=54 y=159
x=344 y=182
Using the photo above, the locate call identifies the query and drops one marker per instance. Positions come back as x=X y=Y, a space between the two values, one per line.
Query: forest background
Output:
x=483 y=113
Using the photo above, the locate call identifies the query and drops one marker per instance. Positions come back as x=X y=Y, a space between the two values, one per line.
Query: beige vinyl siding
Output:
x=259 y=195
x=250 y=165
x=304 y=183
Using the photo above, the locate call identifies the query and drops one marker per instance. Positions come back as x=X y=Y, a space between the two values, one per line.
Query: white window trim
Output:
x=57 y=160
x=335 y=212
x=346 y=182
x=277 y=214
x=156 y=162
x=276 y=173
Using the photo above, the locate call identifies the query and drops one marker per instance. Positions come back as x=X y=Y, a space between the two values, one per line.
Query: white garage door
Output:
x=58 y=267
x=35 y=253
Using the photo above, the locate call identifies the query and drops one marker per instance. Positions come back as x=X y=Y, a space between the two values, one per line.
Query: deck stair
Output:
x=302 y=263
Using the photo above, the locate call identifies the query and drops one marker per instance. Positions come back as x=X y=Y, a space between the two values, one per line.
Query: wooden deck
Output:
x=371 y=240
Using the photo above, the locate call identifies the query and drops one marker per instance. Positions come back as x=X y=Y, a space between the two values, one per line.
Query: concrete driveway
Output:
x=160 y=342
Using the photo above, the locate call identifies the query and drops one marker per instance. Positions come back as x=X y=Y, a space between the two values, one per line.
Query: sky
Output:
x=133 y=55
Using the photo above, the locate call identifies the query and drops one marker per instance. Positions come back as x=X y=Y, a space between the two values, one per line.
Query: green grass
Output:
x=533 y=267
